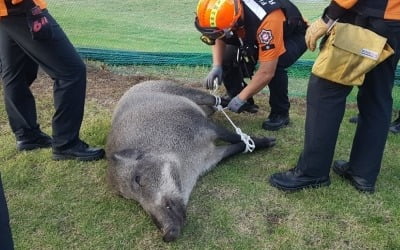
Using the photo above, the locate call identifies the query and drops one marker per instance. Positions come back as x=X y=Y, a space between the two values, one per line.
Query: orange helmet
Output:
x=218 y=14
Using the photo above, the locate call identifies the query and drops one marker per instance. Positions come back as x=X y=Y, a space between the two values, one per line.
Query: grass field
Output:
x=142 y=25
x=67 y=204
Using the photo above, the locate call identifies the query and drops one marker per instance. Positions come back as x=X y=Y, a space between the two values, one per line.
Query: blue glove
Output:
x=215 y=73
x=236 y=105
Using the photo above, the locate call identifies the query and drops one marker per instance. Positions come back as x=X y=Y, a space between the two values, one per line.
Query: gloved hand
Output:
x=236 y=105
x=316 y=30
x=215 y=73
x=39 y=24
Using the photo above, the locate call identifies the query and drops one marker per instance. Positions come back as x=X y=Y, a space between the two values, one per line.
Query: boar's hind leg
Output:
x=231 y=137
x=226 y=151
x=225 y=134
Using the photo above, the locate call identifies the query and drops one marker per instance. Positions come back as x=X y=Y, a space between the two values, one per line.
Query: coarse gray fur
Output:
x=161 y=141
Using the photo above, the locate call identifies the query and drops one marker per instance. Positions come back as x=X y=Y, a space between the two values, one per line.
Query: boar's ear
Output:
x=129 y=153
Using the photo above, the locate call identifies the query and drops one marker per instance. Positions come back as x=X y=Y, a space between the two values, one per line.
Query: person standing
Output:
x=6 y=241
x=326 y=104
x=244 y=34
x=30 y=37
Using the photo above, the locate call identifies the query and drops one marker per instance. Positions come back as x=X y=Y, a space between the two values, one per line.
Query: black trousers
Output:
x=20 y=56
x=326 y=102
x=6 y=241
x=234 y=73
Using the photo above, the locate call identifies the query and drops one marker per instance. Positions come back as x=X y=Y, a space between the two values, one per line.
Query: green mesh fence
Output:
x=300 y=69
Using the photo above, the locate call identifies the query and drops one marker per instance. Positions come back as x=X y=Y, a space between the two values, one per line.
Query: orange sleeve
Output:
x=347 y=4
x=41 y=3
x=270 y=37
x=393 y=10
x=3 y=8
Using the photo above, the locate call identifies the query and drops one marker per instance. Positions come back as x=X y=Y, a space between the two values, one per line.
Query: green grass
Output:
x=155 y=26
x=142 y=25
x=67 y=205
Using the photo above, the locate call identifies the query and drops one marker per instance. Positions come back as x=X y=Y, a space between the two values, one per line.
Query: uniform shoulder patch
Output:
x=265 y=36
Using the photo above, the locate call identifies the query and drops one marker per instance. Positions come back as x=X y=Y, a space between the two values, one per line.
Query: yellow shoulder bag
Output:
x=349 y=53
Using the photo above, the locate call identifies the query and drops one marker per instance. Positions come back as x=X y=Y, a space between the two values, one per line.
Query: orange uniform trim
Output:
x=3 y=7
x=41 y=3
x=270 y=40
x=393 y=10
x=347 y=4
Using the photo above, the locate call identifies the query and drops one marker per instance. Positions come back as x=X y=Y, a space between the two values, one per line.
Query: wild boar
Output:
x=161 y=140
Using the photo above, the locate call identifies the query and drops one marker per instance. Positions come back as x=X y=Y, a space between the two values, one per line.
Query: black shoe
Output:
x=293 y=180
x=40 y=140
x=353 y=119
x=395 y=126
x=275 y=122
x=341 y=168
x=81 y=152
x=251 y=108
x=397 y=121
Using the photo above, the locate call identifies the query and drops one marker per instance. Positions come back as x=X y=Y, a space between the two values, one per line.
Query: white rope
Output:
x=217 y=101
x=246 y=139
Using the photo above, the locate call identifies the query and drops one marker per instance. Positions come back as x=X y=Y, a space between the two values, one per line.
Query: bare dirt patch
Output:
x=103 y=86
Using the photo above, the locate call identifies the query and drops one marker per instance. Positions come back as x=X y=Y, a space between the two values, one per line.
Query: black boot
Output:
x=395 y=126
x=342 y=168
x=80 y=151
x=294 y=179
x=275 y=122
x=251 y=107
x=353 y=119
x=35 y=141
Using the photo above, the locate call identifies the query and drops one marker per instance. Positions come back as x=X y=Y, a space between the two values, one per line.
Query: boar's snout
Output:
x=171 y=219
x=176 y=211
x=172 y=233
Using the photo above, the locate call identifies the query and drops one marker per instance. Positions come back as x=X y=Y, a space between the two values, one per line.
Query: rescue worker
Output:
x=6 y=241
x=326 y=104
x=243 y=33
x=30 y=37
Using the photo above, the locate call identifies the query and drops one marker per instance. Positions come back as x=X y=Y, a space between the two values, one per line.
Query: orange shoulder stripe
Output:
x=41 y=3
x=347 y=4
x=3 y=7
x=393 y=10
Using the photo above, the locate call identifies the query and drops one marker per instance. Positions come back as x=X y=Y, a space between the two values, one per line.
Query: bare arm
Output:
x=261 y=78
x=218 y=52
